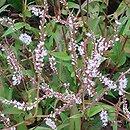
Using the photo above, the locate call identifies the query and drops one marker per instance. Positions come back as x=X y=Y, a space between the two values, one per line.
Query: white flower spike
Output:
x=25 y=38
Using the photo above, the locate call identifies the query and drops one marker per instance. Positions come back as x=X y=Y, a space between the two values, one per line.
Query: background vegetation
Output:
x=71 y=33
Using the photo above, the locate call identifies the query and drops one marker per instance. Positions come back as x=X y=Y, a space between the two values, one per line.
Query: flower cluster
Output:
x=74 y=57
x=6 y=121
x=99 y=48
x=65 y=4
x=12 y=61
x=40 y=53
x=93 y=63
x=35 y=11
x=50 y=123
x=66 y=97
x=22 y=106
x=104 y=117
x=52 y=65
x=60 y=109
x=25 y=38
x=66 y=85
x=107 y=82
x=81 y=48
x=122 y=84
x=125 y=108
x=14 y=65
x=8 y=21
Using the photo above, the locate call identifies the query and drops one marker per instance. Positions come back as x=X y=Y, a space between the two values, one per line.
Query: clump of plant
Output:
x=62 y=63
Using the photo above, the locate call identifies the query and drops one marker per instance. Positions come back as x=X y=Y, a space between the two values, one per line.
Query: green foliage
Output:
x=2 y=2
x=118 y=57
x=56 y=35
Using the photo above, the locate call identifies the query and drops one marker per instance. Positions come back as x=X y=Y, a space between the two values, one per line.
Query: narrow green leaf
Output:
x=93 y=111
x=121 y=8
x=127 y=28
x=12 y=110
x=73 y=5
x=107 y=107
x=41 y=128
x=3 y=8
x=61 y=55
x=17 y=4
x=76 y=116
x=22 y=127
x=63 y=116
x=60 y=127
x=11 y=30
x=2 y=2
x=75 y=119
x=118 y=55
x=30 y=72
x=115 y=126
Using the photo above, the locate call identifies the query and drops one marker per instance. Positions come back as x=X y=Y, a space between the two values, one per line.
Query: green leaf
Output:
x=35 y=31
x=94 y=10
x=12 y=110
x=76 y=116
x=121 y=8
x=3 y=8
x=61 y=55
x=28 y=27
x=41 y=128
x=27 y=13
x=2 y=2
x=22 y=127
x=127 y=48
x=107 y=107
x=63 y=116
x=11 y=30
x=111 y=94
x=75 y=119
x=50 y=43
x=73 y=5
x=30 y=72
x=127 y=28
x=115 y=126
x=93 y=111
x=118 y=55
x=7 y=91
x=60 y=127
x=17 y=4
x=123 y=21
x=128 y=13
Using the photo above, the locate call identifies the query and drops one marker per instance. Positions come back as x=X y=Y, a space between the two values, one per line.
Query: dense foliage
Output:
x=64 y=65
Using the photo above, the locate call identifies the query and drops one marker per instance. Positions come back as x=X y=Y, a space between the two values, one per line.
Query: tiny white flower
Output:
x=12 y=128
x=117 y=22
x=104 y=117
x=89 y=34
x=50 y=123
x=25 y=38
x=16 y=79
x=78 y=100
x=66 y=85
x=117 y=39
x=81 y=50
x=122 y=84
